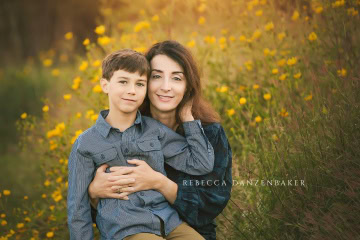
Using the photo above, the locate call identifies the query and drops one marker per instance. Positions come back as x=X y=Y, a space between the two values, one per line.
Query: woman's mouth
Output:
x=129 y=100
x=164 y=98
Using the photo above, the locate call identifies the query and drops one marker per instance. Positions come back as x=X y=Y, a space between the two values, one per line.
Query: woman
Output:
x=173 y=84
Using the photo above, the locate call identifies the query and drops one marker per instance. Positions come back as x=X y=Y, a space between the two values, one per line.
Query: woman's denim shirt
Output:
x=149 y=140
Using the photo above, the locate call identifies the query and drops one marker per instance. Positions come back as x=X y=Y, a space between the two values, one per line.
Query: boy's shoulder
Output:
x=90 y=141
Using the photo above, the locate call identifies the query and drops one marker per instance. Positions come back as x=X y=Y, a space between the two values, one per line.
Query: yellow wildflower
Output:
x=3 y=215
x=94 y=117
x=202 y=7
x=242 y=101
x=43 y=195
x=105 y=40
x=272 y=52
x=338 y=3
x=210 y=39
x=283 y=76
x=23 y=116
x=20 y=225
x=55 y=72
x=275 y=137
x=312 y=37
x=342 y=72
x=242 y=38
x=232 y=38
x=269 y=26
x=352 y=12
x=230 y=112
x=3 y=223
x=297 y=75
x=191 y=44
x=201 y=20
x=295 y=15
x=89 y=113
x=47 y=62
x=292 y=61
x=45 y=108
x=155 y=18
x=67 y=96
x=249 y=65
x=259 y=13
x=283 y=112
x=258 y=119
x=6 y=192
x=76 y=83
x=27 y=219
x=318 y=9
x=266 y=51
x=267 y=96
x=97 y=88
x=96 y=63
x=86 y=42
x=281 y=36
x=26 y=197
x=68 y=35
x=141 y=25
x=275 y=71
x=78 y=115
x=222 y=89
x=47 y=183
x=100 y=30
x=77 y=133
x=308 y=98
x=50 y=234
x=83 y=66
x=256 y=34
x=256 y=86
x=281 y=62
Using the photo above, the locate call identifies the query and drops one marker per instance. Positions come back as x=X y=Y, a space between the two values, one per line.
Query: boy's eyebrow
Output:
x=123 y=77
x=157 y=70
x=143 y=80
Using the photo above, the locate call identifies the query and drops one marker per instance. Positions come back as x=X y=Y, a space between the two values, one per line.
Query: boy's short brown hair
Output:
x=127 y=60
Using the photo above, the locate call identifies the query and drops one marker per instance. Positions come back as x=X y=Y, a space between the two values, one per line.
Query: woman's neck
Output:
x=166 y=118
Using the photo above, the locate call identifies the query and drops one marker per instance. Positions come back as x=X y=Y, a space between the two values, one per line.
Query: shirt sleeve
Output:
x=81 y=171
x=192 y=154
x=200 y=199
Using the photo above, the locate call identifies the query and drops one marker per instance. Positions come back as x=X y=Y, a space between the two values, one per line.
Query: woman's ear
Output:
x=104 y=85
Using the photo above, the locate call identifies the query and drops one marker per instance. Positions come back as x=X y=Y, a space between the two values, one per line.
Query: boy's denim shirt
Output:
x=149 y=140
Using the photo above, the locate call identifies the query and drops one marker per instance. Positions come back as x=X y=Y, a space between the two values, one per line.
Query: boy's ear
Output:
x=104 y=85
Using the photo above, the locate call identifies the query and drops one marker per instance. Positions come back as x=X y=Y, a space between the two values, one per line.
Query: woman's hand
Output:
x=145 y=178
x=185 y=114
x=102 y=187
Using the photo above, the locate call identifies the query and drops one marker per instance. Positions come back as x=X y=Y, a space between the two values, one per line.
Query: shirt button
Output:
x=102 y=156
x=126 y=150
x=151 y=144
x=142 y=194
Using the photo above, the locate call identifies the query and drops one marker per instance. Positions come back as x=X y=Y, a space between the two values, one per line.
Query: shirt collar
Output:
x=104 y=127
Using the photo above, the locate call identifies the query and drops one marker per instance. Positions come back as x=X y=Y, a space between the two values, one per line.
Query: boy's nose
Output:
x=131 y=89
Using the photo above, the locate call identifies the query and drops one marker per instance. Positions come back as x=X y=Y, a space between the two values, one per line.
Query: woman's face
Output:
x=167 y=84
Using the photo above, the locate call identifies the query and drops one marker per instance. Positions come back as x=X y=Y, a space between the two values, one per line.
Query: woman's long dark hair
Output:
x=201 y=109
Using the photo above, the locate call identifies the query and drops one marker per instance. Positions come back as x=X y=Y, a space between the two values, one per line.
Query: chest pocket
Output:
x=149 y=145
x=105 y=156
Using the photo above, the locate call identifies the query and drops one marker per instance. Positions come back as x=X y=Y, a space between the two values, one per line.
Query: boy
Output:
x=120 y=134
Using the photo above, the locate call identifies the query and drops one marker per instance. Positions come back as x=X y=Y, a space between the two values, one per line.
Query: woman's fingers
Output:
x=118 y=171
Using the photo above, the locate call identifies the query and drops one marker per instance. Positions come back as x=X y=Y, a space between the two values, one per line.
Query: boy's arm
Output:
x=192 y=154
x=81 y=170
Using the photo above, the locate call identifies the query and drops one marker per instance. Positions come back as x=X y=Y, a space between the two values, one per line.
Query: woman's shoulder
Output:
x=214 y=131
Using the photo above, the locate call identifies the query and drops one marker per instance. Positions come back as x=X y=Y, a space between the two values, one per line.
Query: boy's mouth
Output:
x=130 y=100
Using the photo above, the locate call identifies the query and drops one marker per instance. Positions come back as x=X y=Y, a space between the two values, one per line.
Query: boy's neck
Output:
x=166 y=118
x=120 y=120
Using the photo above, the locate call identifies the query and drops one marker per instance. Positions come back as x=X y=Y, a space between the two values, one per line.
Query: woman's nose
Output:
x=165 y=86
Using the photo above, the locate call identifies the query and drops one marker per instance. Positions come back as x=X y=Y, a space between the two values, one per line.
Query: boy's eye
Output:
x=140 y=84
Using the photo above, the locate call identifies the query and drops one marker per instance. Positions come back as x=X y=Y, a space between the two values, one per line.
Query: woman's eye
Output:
x=122 y=82
x=177 y=79
x=155 y=76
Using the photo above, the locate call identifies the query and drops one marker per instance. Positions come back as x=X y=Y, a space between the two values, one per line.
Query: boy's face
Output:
x=126 y=91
